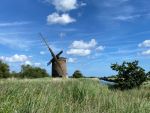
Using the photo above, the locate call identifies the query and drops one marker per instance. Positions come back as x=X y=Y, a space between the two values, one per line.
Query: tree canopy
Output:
x=4 y=70
x=28 y=71
x=77 y=74
x=129 y=75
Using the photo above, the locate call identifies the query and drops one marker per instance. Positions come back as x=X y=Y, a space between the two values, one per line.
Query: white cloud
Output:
x=72 y=60
x=37 y=64
x=147 y=52
x=126 y=18
x=83 y=4
x=42 y=52
x=82 y=48
x=100 y=48
x=8 y=24
x=63 y=19
x=114 y=3
x=15 y=42
x=15 y=58
x=65 y=5
x=28 y=63
x=84 y=45
x=23 y=59
x=79 y=52
x=146 y=43
x=116 y=11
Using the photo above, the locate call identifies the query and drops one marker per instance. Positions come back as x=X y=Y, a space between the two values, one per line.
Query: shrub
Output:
x=77 y=74
x=28 y=71
x=129 y=75
x=4 y=70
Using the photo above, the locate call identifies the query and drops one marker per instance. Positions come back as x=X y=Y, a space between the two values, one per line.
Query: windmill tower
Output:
x=59 y=68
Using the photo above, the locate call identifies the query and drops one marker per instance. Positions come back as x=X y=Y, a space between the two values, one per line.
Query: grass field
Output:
x=69 y=96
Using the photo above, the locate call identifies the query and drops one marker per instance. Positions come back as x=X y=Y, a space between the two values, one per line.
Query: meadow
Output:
x=49 y=95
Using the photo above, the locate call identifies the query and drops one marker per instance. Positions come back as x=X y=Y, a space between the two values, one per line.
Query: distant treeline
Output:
x=130 y=74
x=27 y=71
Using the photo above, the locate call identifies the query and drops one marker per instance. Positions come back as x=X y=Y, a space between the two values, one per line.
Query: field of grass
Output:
x=69 y=96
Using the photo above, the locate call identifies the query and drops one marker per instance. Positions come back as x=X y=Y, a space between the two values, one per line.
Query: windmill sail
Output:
x=52 y=53
x=57 y=56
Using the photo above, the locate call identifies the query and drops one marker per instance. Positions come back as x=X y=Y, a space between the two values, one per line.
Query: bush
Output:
x=129 y=75
x=28 y=71
x=4 y=70
x=77 y=74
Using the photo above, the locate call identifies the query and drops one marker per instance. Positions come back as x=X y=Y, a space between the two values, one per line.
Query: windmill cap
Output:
x=62 y=58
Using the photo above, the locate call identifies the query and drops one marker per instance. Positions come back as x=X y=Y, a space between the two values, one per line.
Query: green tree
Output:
x=148 y=75
x=129 y=75
x=77 y=74
x=28 y=71
x=4 y=70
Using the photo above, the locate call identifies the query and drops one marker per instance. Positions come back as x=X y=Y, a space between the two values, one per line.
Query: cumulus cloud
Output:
x=72 y=60
x=82 y=48
x=147 y=52
x=62 y=8
x=145 y=43
x=79 y=52
x=56 y=18
x=22 y=59
x=15 y=58
x=84 y=45
x=28 y=63
x=65 y=5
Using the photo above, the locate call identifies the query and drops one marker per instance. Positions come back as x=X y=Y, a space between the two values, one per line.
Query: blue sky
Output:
x=92 y=33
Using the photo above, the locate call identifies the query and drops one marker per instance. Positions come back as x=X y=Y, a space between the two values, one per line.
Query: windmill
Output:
x=58 y=63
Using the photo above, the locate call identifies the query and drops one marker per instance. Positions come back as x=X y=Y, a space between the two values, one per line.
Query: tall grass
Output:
x=69 y=96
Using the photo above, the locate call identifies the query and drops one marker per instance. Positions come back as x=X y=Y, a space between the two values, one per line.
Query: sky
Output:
x=93 y=34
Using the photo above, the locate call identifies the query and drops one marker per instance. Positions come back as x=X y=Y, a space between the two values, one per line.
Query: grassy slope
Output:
x=69 y=96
